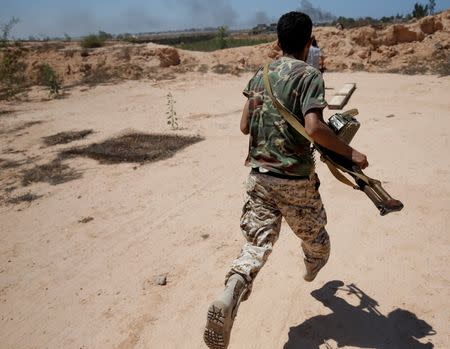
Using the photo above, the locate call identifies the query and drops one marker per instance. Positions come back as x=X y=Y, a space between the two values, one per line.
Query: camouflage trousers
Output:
x=268 y=200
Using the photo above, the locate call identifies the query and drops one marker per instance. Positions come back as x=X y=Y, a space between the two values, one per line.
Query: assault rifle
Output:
x=345 y=126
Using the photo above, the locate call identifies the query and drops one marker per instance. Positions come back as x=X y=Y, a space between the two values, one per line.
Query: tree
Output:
x=431 y=6
x=6 y=30
x=420 y=10
x=221 y=36
x=104 y=35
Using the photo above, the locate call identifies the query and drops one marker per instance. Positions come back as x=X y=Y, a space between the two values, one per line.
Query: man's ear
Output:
x=310 y=42
x=278 y=45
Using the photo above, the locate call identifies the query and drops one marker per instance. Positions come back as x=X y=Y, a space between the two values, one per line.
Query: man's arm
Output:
x=245 y=124
x=319 y=131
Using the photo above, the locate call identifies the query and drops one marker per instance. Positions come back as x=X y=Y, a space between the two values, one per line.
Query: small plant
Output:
x=48 y=77
x=172 y=119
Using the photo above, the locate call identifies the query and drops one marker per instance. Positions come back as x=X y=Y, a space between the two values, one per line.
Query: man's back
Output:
x=274 y=144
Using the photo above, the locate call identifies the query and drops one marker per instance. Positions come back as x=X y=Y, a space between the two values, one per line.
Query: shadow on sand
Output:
x=361 y=326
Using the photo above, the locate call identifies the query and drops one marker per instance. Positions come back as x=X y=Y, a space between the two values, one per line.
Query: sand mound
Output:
x=418 y=47
x=168 y=56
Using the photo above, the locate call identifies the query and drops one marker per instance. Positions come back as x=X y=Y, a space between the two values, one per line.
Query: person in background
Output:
x=315 y=57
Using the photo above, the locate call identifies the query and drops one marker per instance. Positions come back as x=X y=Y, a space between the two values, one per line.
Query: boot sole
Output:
x=216 y=327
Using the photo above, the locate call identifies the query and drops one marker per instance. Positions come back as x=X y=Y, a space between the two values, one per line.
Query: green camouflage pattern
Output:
x=274 y=144
x=268 y=200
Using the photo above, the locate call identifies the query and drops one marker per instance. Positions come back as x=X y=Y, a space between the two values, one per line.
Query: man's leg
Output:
x=260 y=224
x=302 y=208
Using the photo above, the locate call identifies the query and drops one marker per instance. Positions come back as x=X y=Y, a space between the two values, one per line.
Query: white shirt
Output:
x=314 y=57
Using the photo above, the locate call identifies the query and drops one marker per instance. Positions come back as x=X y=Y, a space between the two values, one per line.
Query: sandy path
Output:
x=69 y=285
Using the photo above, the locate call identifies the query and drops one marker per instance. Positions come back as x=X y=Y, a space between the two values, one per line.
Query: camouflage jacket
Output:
x=274 y=144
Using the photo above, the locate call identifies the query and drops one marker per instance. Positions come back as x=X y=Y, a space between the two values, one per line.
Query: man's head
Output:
x=294 y=33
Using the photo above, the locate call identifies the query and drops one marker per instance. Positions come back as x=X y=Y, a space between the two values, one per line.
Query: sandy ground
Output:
x=64 y=284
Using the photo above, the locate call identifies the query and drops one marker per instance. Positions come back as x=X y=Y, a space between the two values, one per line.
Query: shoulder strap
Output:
x=293 y=121
x=286 y=113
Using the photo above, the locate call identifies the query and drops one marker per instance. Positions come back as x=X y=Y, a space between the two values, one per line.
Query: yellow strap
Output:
x=335 y=169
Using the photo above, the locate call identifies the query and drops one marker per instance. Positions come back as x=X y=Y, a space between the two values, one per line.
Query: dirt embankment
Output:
x=415 y=48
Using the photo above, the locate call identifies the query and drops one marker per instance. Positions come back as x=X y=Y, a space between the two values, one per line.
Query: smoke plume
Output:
x=205 y=13
x=317 y=15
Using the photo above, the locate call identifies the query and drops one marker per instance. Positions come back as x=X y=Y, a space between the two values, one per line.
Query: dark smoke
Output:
x=261 y=18
x=205 y=13
x=316 y=14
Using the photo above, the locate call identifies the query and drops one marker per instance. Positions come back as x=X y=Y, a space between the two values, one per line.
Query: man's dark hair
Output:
x=294 y=30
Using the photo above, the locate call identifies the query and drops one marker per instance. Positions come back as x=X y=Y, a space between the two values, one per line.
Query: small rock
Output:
x=390 y=116
x=205 y=236
x=161 y=280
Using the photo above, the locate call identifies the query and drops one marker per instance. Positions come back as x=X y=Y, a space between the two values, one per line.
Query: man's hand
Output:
x=319 y=131
x=359 y=159
x=245 y=127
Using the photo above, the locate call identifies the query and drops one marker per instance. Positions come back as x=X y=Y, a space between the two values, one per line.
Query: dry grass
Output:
x=66 y=137
x=29 y=197
x=54 y=172
x=134 y=148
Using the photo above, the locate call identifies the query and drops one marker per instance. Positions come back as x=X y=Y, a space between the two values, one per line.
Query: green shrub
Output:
x=420 y=10
x=92 y=41
x=47 y=77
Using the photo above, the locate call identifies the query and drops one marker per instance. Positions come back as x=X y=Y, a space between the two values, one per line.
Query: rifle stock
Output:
x=382 y=200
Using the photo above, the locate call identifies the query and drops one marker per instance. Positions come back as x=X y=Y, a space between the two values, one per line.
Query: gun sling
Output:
x=334 y=168
x=336 y=163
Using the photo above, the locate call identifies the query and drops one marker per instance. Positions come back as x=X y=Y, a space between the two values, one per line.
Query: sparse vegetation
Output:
x=172 y=119
x=28 y=197
x=221 y=37
x=12 y=73
x=46 y=76
x=98 y=74
x=54 y=172
x=66 y=137
x=93 y=41
x=420 y=10
x=134 y=148
x=5 y=30
x=215 y=44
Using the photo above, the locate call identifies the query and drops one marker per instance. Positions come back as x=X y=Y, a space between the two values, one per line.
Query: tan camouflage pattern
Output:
x=274 y=144
x=268 y=200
